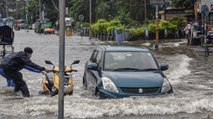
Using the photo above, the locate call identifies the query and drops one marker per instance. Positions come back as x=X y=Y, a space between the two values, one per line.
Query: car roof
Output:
x=124 y=48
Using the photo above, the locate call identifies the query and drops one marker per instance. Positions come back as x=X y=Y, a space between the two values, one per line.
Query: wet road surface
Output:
x=190 y=77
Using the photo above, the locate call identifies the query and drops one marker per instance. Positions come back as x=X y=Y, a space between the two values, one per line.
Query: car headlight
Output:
x=109 y=85
x=166 y=86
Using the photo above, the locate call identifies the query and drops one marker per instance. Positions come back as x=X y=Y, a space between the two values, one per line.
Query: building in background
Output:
x=170 y=12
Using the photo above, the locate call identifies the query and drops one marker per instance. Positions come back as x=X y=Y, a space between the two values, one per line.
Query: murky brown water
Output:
x=190 y=77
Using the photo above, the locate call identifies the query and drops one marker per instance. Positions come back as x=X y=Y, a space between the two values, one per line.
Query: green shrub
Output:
x=179 y=21
x=115 y=22
x=136 y=32
x=102 y=26
x=86 y=24
x=152 y=27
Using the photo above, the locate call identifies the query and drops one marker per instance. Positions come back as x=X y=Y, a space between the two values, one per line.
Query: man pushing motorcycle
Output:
x=15 y=62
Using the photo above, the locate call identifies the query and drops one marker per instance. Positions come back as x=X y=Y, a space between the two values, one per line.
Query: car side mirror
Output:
x=164 y=67
x=76 y=62
x=93 y=66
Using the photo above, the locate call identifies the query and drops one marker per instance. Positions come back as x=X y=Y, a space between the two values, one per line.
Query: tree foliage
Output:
x=110 y=9
x=124 y=10
x=80 y=7
x=49 y=6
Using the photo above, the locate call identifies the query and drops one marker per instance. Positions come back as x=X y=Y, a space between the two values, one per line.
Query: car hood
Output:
x=136 y=79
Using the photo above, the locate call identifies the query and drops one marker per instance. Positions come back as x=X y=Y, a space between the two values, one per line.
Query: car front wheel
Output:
x=100 y=95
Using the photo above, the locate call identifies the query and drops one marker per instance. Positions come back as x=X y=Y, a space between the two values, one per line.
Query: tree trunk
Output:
x=54 y=5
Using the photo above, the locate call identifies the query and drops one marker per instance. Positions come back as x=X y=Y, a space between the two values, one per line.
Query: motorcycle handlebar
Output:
x=49 y=71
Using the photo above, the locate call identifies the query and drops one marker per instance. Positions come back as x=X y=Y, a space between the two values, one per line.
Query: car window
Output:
x=129 y=60
x=94 y=54
x=98 y=58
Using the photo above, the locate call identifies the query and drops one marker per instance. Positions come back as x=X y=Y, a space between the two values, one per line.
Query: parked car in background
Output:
x=44 y=27
x=49 y=30
x=22 y=23
x=123 y=71
x=209 y=37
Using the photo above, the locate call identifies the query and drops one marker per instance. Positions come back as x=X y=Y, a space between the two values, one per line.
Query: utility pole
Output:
x=17 y=10
x=43 y=12
x=145 y=9
x=157 y=3
x=157 y=26
x=61 y=58
x=195 y=10
x=6 y=8
x=90 y=18
x=40 y=17
x=164 y=9
x=27 y=12
x=130 y=6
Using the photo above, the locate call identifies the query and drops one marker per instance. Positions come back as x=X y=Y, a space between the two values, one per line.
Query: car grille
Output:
x=143 y=90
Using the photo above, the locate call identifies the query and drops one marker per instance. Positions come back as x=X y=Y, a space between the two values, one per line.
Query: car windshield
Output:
x=134 y=61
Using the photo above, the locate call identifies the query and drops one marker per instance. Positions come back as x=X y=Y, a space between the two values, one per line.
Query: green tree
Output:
x=33 y=9
x=50 y=6
x=106 y=9
x=80 y=7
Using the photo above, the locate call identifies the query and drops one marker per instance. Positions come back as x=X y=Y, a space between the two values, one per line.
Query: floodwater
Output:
x=190 y=77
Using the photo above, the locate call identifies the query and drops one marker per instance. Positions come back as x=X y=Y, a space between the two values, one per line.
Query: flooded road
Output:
x=190 y=77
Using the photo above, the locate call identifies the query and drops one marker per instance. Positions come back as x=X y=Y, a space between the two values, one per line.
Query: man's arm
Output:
x=32 y=69
x=29 y=63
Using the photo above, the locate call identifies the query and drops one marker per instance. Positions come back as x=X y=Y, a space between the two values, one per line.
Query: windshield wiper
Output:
x=123 y=69
x=151 y=69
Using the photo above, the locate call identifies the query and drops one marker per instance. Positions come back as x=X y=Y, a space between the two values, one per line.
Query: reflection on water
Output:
x=191 y=79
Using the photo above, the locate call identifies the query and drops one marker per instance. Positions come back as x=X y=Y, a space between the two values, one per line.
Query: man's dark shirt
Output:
x=17 y=61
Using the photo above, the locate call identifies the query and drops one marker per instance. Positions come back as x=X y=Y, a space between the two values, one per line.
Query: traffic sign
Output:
x=81 y=17
x=205 y=10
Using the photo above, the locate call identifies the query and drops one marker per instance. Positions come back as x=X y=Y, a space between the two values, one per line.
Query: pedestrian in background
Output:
x=187 y=30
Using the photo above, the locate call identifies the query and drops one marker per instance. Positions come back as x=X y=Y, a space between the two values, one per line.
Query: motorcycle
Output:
x=51 y=82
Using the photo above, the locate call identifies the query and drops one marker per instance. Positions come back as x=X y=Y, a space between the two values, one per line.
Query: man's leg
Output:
x=10 y=82
x=16 y=88
x=19 y=82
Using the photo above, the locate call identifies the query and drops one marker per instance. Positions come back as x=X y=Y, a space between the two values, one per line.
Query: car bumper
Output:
x=113 y=95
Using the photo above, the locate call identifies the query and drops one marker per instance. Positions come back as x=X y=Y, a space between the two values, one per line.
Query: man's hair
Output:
x=28 y=50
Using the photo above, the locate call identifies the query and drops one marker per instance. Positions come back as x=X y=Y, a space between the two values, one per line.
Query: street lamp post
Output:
x=27 y=11
x=157 y=3
x=145 y=9
x=17 y=11
x=90 y=18
x=157 y=26
x=43 y=12
x=61 y=58
x=40 y=17
x=6 y=8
